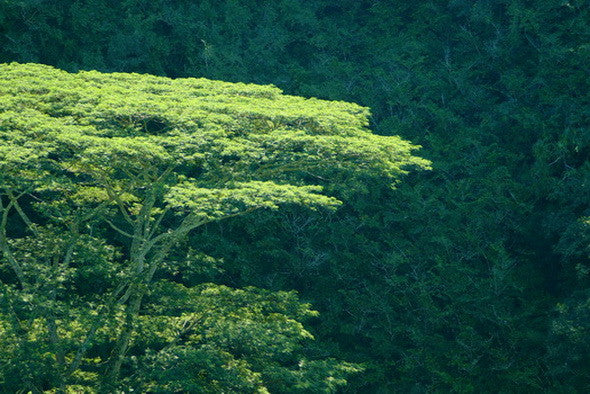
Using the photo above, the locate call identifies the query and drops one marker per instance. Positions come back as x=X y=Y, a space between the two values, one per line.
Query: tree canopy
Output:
x=103 y=177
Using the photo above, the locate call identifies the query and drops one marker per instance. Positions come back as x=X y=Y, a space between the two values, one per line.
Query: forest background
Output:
x=471 y=276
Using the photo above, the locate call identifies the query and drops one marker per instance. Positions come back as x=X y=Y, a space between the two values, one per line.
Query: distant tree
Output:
x=102 y=179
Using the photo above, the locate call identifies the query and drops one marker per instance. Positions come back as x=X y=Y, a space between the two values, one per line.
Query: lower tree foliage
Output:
x=471 y=277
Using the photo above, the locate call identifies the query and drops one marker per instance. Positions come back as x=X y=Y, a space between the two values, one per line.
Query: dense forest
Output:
x=163 y=231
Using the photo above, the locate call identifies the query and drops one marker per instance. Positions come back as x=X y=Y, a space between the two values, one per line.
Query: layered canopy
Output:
x=102 y=178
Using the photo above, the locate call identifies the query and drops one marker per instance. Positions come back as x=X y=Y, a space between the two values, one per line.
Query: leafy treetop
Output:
x=102 y=178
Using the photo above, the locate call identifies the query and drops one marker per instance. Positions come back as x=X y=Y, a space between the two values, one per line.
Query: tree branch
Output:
x=16 y=267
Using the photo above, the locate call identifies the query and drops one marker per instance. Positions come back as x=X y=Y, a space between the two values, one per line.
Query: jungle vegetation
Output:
x=165 y=232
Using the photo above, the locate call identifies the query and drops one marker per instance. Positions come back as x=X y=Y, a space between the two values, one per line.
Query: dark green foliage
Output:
x=470 y=277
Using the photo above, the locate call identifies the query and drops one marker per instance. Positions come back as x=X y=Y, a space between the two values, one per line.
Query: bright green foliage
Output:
x=103 y=177
x=219 y=323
